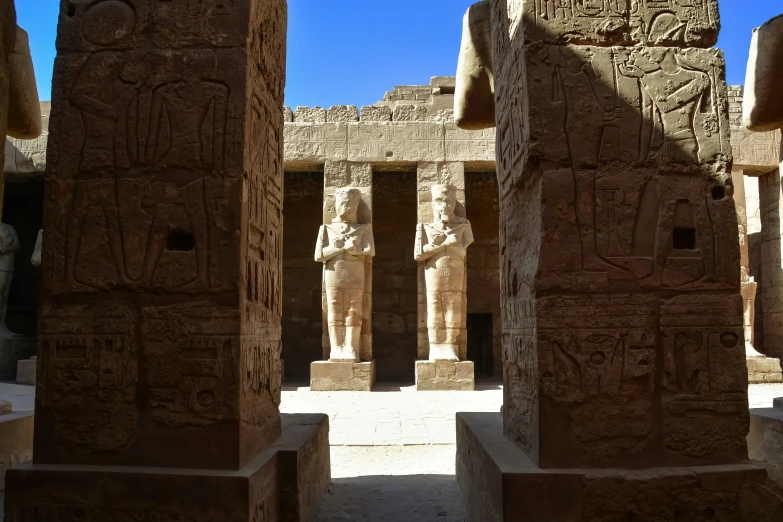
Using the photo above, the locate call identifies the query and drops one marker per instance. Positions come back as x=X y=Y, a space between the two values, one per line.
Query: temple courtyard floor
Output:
x=393 y=449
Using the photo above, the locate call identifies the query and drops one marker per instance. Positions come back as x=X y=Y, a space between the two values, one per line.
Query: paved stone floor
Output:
x=393 y=449
x=391 y=415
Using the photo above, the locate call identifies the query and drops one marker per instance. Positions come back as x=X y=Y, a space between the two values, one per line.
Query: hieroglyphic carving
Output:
x=660 y=232
x=642 y=107
x=649 y=22
x=704 y=376
x=613 y=167
x=154 y=142
x=166 y=184
x=89 y=365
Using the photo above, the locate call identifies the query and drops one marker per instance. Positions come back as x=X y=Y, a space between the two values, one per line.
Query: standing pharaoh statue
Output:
x=442 y=247
x=9 y=244
x=343 y=246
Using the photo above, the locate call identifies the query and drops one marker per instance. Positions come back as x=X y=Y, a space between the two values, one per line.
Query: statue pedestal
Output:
x=500 y=483
x=445 y=375
x=765 y=445
x=285 y=482
x=762 y=369
x=25 y=370
x=12 y=349
x=16 y=439
x=342 y=376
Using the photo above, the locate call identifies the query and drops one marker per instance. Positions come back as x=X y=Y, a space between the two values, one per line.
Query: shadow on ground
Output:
x=393 y=498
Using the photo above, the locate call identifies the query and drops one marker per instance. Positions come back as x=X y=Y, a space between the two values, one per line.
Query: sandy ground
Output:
x=394 y=484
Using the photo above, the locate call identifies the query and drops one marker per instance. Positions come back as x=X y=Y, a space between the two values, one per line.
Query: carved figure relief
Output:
x=641 y=106
x=442 y=247
x=649 y=22
x=343 y=246
x=143 y=184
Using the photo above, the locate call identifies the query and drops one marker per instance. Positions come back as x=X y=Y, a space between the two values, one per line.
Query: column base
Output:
x=342 y=376
x=764 y=370
x=12 y=349
x=765 y=445
x=16 y=441
x=284 y=483
x=500 y=483
x=25 y=371
x=445 y=375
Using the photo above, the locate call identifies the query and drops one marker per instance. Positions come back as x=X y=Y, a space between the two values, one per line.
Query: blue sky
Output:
x=352 y=51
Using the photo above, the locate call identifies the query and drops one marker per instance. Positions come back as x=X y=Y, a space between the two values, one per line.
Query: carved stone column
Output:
x=761 y=369
x=342 y=375
x=160 y=309
x=440 y=375
x=623 y=320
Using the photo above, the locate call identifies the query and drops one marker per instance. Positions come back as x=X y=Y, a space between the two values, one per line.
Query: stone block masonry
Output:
x=159 y=327
x=623 y=332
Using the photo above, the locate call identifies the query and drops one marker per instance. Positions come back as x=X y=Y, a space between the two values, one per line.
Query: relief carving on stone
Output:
x=343 y=246
x=649 y=22
x=442 y=247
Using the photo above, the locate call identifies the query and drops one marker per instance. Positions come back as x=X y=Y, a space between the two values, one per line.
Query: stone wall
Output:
x=394 y=276
x=28 y=157
x=302 y=315
x=481 y=204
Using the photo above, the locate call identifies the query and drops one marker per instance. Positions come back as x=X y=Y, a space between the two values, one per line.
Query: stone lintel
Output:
x=283 y=483
x=445 y=375
x=342 y=376
x=500 y=483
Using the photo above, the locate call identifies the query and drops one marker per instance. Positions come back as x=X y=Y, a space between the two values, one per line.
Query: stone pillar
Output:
x=771 y=205
x=159 y=333
x=761 y=369
x=439 y=375
x=20 y=111
x=346 y=376
x=7 y=43
x=623 y=321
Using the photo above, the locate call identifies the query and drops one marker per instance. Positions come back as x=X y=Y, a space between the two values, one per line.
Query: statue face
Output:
x=648 y=60
x=347 y=206
x=443 y=208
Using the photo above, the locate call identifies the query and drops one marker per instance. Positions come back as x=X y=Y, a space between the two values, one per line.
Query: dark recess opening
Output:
x=302 y=316
x=179 y=240
x=684 y=238
x=394 y=293
x=23 y=209
x=480 y=342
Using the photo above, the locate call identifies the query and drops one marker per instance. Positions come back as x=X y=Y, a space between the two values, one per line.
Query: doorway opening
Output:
x=302 y=322
x=394 y=294
x=480 y=343
x=483 y=268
